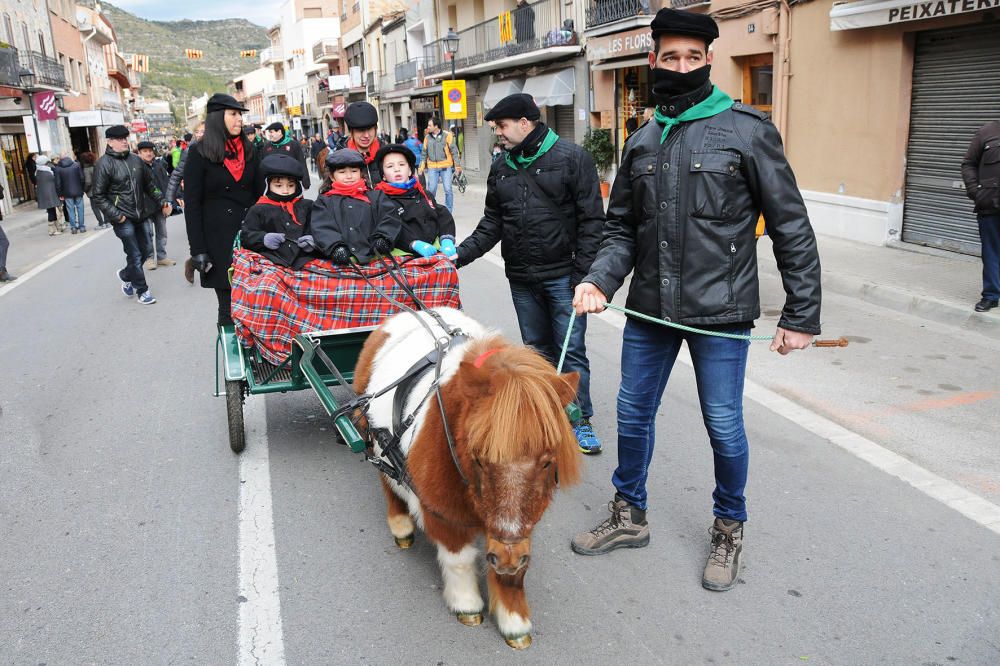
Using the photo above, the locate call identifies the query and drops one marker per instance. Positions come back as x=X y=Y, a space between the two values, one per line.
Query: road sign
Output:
x=455 y=107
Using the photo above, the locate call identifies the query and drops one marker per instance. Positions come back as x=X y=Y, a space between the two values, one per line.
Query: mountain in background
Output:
x=172 y=76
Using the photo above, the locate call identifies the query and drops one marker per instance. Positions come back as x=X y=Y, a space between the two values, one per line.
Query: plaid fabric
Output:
x=273 y=304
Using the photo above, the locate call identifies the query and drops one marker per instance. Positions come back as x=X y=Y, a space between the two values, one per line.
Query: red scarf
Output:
x=235 y=161
x=355 y=191
x=289 y=206
x=393 y=191
x=372 y=150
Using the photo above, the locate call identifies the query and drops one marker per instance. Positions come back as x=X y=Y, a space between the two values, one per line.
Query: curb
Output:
x=22 y=220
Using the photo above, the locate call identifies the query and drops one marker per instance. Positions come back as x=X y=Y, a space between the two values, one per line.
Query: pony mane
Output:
x=521 y=416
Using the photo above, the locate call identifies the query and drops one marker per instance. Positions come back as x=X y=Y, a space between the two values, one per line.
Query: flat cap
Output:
x=679 y=22
x=275 y=126
x=281 y=164
x=345 y=157
x=220 y=101
x=361 y=115
x=146 y=144
x=399 y=148
x=516 y=106
x=116 y=132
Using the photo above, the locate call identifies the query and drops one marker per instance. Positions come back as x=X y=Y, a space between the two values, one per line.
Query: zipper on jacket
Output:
x=732 y=268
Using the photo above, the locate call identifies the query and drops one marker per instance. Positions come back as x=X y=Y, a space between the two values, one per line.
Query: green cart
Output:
x=319 y=361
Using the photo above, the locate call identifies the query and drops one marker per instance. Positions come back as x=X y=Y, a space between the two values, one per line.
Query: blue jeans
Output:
x=543 y=311
x=74 y=206
x=444 y=175
x=156 y=227
x=989 y=236
x=648 y=355
x=135 y=242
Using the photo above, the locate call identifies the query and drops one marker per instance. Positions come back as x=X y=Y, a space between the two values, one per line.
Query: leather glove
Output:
x=202 y=263
x=341 y=255
x=273 y=241
x=382 y=245
x=306 y=242
x=423 y=248
x=448 y=248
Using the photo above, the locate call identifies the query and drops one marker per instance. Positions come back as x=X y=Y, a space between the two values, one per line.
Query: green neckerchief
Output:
x=287 y=139
x=549 y=141
x=714 y=104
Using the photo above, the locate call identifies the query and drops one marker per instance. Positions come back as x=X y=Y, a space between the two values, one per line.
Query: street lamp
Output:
x=451 y=46
x=28 y=84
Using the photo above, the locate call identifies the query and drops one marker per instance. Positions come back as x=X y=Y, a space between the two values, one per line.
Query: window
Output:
x=27 y=38
x=41 y=44
x=8 y=29
x=757 y=80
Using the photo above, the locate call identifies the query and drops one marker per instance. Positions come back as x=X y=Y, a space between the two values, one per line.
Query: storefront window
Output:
x=15 y=152
x=633 y=98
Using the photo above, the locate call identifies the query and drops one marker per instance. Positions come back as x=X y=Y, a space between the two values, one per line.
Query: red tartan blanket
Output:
x=272 y=304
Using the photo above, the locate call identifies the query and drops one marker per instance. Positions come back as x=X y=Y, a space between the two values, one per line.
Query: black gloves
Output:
x=382 y=245
x=202 y=263
x=341 y=255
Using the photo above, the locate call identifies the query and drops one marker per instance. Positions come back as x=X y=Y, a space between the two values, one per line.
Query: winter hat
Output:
x=281 y=164
x=516 y=106
x=384 y=151
x=275 y=126
x=220 y=101
x=41 y=160
x=360 y=115
x=146 y=144
x=679 y=22
x=116 y=132
x=345 y=157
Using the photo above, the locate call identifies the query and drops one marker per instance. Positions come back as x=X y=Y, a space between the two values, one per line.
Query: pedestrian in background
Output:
x=543 y=205
x=440 y=162
x=315 y=149
x=415 y=145
x=122 y=185
x=221 y=182
x=154 y=219
x=175 y=186
x=29 y=167
x=682 y=220
x=87 y=161
x=47 y=193
x=981 y=173
x=69 y=183
x=5 y=276
x=279 y=141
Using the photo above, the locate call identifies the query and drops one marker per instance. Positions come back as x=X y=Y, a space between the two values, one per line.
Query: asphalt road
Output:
x=119 y=514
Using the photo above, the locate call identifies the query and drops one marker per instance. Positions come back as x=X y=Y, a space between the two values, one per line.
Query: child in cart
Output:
x=278 y=225
x=426 y=225
x=348 y=220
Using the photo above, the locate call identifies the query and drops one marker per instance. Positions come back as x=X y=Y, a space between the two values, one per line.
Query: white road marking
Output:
x=952 y=495
x=11 y=286
x=261 y=636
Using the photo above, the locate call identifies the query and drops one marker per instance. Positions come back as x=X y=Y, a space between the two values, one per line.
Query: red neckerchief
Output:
x=234 y=160
x=289 y=206
x=391 y=190
x=372 y=149
x=355 y=191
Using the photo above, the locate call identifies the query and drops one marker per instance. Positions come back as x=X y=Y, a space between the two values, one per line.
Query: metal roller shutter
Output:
x=565 y=126
x=956 y=90
x=470 y=159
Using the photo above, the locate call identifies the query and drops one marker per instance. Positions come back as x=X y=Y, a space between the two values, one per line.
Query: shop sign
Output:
x=634 y=42
x=339 y=109
x=864 y=13
x=422 y=104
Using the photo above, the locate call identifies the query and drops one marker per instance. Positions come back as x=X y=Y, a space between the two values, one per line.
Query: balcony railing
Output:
x=271 y=55
x=601 y=12
x=48 y=71
x=275 y=88
x=326 y=50
x=532 y=27
x=407 y=72
x=387 y=82
x=117 y=69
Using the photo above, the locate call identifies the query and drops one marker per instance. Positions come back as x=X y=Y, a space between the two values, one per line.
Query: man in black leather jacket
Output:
x=122 y=184
x=543 y=205
x=681 y=219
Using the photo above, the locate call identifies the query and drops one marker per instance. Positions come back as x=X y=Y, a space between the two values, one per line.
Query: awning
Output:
x=500 y=89
x=620 y=64
x=868 y=13
x=552 y=89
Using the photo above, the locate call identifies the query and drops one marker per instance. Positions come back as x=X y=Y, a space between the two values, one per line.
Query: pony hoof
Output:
x=404 y=542
x=470 y=619
x=519 y=642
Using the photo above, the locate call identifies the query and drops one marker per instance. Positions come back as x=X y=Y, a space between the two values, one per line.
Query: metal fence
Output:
x=47 y=70
x=600 y=12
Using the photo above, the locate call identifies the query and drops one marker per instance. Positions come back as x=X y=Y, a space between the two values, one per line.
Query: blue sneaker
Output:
x=146 y=298
x=586 y=437
x=127 y=287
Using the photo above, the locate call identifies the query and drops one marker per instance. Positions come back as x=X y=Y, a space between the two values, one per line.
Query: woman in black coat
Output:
x=221 y=182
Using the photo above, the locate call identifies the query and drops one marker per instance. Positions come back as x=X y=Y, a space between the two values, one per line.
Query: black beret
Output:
x=411 y=159
x=146 y=144
x=281 y=164
x=249 y=129
x=678 y=22
x=275 y=126
x=220 y=101
x=361 y=115
x=116 y=132
x=516 y=106
x=345 y=157
x=188 y=136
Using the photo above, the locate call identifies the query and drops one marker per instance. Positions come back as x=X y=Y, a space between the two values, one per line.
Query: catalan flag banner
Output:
x=506 y=27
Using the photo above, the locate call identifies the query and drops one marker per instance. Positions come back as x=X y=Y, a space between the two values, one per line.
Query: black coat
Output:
x=122 y=183
x=535 y=243
x=340 y=220
x=291 y=148
x=215 y=208
x=266 y=218
x=420 y=220
x=158 y=171
x=981 y=169
x=682 y=219
x=69 y=178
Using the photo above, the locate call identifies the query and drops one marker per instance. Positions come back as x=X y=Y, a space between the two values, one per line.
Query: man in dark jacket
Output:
x=278 y=141
x=543 y=205
x=981 y=173
x=69 y=185
x=122 y=184
x=153 y=218
x=681 y=219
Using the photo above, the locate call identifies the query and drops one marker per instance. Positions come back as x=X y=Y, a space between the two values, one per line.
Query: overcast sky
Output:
x=262 y=12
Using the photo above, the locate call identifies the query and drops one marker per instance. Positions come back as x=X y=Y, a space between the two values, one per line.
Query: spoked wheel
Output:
x=234 y=409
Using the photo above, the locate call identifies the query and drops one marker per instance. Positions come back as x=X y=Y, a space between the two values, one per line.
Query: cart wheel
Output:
x=234 y=409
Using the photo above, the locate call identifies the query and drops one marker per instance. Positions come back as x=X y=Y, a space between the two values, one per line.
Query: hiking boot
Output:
x=586 y=437
x=149 y=264
x=166 y=261
x=725 y=557
x=127 y=287
x=146 y=298
x=626 y=528
x=986 y=305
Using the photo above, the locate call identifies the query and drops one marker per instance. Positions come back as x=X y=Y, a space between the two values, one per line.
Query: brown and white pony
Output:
x=505 y=407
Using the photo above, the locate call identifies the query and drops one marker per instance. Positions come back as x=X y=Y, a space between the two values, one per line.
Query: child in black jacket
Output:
x=350 y=220
x=426 y=225
x=277 y=226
